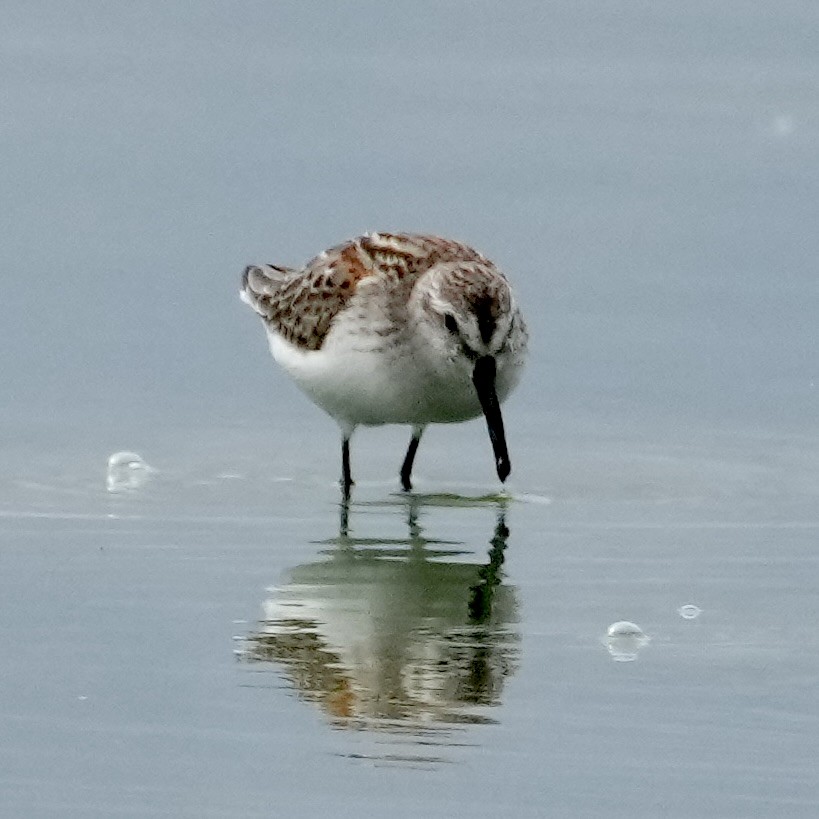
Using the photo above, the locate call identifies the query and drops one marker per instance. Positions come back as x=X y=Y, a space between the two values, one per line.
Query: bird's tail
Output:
x=262 y=283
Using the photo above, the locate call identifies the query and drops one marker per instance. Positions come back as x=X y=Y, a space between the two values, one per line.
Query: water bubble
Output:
x=127 y=471
x=624 y=640
x=625 y=628
x=689 y=611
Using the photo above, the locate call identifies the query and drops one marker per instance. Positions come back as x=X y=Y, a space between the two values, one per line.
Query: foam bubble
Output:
x=127 y=471
x=624 y=640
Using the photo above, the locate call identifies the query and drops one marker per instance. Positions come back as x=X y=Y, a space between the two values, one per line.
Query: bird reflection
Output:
x=400 y=634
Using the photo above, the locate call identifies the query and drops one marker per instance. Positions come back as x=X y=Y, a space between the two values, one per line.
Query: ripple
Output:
x=689 y=611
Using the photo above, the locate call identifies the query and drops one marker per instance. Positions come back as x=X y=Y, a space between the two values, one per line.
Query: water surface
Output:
x=223 y=639
x=223 y=643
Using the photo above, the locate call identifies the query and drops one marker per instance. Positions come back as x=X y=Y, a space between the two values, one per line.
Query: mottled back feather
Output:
x=302 y=304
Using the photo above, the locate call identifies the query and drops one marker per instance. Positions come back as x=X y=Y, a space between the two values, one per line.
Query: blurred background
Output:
x=645 y=173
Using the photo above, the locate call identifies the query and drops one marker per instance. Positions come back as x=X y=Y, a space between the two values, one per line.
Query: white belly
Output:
x=384 y=385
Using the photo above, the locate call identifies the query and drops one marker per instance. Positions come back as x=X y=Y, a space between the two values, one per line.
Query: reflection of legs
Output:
x=414 y=528
x=480 y=600
x=344 y=519
x=406 y=467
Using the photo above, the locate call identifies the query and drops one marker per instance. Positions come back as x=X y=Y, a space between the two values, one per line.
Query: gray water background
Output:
x=646 y=175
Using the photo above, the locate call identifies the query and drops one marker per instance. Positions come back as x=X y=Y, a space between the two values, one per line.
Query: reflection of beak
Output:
x=483 y=377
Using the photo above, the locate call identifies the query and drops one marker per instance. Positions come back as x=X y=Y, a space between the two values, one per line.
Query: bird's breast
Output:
x=368 y=380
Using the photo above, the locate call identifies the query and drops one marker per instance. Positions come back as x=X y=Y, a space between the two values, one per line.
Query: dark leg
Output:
x=346 y=477
x=406 y=467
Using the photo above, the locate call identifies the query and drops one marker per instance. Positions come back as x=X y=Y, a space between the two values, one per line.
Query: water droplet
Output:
x=689 y=611
x=127 y=471
x=624 y=640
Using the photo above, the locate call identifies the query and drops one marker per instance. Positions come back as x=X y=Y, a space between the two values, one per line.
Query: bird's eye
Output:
x=451 y=324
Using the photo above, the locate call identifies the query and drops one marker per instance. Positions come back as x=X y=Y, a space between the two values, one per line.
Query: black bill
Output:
x=483 y=377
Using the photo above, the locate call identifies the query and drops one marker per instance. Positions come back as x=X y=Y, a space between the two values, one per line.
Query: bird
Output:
x=395 y=328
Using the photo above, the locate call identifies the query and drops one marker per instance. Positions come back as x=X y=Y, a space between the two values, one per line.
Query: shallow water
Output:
x=218 y=637
x=224 y=642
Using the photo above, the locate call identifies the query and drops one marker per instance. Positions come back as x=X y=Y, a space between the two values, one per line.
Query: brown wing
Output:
x=301 y=305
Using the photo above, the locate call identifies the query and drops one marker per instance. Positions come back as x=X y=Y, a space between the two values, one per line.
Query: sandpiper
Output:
x=395 y=328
